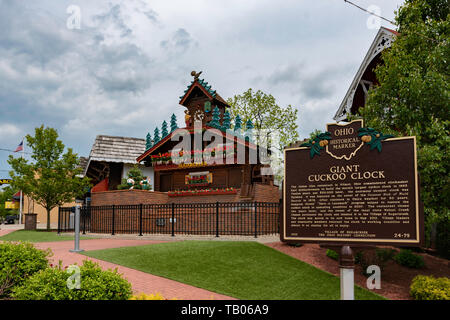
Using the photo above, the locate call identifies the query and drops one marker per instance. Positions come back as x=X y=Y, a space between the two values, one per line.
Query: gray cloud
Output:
x=114 y=17
x=300 y=79
x=123 y=71
x=180 y=41
x=122 y=67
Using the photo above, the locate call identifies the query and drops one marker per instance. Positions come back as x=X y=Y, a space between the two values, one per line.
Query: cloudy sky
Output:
x=122 y=72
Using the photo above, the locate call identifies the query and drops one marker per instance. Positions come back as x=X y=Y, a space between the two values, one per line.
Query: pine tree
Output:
x=173 y=123
x=215 y=122
x=156 y=137
x=249 y=130
x=148 y=141
x=237 y=124
x=226 y=123
x=164 y=131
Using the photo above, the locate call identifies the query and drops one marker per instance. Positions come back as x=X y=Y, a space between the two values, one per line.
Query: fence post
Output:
x=113 y=214
x=59 y=220
x=173 y=219
x=140 y=219
x=256 y=222
x=83 y=218
x=217 y=219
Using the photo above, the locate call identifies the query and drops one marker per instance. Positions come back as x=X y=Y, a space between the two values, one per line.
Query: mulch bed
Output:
x=395 y=279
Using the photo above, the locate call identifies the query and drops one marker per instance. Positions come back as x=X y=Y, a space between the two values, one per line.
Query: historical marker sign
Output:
x=352 y=185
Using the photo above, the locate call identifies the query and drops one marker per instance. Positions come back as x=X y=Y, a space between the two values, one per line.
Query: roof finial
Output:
x=195 y=74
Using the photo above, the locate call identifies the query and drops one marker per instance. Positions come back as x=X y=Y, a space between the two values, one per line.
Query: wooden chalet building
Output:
x=183 y=173
x=365 y=77
x=110 y=159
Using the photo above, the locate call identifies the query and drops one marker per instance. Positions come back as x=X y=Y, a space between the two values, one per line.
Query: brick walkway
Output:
x=141 y=282
x=4 y=232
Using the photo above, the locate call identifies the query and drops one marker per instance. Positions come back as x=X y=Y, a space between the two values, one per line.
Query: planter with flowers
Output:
x=202 y=192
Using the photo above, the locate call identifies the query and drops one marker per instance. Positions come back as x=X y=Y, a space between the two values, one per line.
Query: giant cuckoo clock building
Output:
x=189 y=163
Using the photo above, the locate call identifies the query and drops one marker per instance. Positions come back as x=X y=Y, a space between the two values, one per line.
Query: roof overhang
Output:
x=191 y=130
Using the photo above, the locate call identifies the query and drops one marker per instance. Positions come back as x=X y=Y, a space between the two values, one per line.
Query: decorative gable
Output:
x=365 y=77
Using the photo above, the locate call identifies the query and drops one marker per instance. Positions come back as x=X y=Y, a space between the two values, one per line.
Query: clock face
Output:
x=199 y=115
x=207 y=106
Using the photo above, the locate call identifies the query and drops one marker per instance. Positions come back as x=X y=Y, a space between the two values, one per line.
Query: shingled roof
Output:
x=117 y=149
x=83 y=162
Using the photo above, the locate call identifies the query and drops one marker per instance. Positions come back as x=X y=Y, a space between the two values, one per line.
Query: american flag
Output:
x=19 y=147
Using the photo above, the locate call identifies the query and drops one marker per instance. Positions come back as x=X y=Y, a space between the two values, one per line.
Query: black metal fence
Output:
x=220 y=218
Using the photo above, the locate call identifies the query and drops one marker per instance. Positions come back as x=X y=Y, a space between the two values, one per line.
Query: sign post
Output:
x=352 y=186
x=346 y=272
x=77 y=230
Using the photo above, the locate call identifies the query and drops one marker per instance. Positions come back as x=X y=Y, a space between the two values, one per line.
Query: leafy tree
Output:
x=413 y=97
x=265 y=113
x=52 y=177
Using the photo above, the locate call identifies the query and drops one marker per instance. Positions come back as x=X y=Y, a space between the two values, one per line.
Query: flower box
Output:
x=202 y=192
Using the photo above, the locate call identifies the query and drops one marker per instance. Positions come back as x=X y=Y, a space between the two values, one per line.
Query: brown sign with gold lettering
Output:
x=352 y=185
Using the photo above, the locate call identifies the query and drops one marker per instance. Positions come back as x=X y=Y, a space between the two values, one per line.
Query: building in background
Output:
x=111 y=158
x=180 y=179
x=365 y=78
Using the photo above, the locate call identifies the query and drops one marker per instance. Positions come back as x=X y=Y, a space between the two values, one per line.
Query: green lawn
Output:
x=245 y=270
x=37 y=236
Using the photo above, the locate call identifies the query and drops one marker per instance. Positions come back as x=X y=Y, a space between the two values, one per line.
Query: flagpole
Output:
x=21 y=193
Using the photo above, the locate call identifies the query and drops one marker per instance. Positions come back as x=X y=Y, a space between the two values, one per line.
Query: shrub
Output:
x=18 y=261
x=408 y=259
x=96 y=284
x=332 y=254
x=295 y=244
x=378 y=257
x=144 y=296
x=385 y=254
x=430 y=288
x=443 y=236
x=358 y=257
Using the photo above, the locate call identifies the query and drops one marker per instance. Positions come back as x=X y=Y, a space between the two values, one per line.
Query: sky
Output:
x=118 y=67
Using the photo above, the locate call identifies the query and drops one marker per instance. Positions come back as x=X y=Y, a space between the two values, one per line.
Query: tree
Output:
x=226 y=122
x=249 y=130
x=156 y=137
x=265 y=113
x=413 y=98
x=164 y=131
x=148 y=141
x=173 y=123
x=215 y=122
x=52 y=177
x=237 y=124
x=136 y=180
